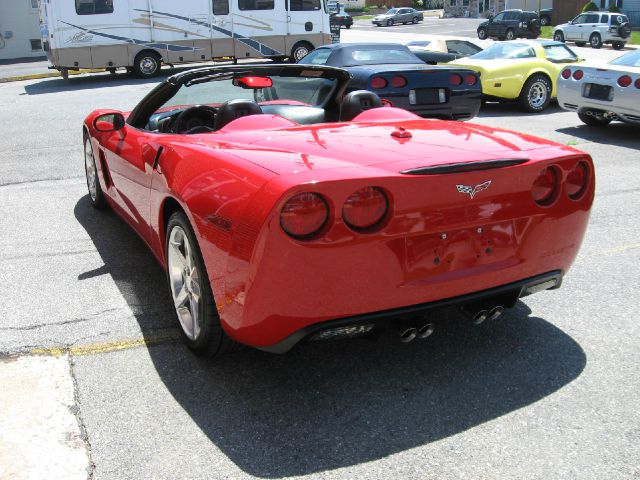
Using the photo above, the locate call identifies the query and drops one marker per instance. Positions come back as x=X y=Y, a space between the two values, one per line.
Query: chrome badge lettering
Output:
x=472 y=191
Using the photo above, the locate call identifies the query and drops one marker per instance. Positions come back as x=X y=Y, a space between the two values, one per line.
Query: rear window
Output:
x=381 y=56
x=559 y=54
x=618 y=19
x=418 y=43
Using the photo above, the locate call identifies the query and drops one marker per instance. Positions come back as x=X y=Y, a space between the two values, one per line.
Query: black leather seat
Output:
x=356 y=102
x=233 y=109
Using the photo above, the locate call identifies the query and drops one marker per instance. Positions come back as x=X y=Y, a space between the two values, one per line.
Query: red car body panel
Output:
x=436 y=242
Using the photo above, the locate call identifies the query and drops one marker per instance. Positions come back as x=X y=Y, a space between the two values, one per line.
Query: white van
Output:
x=142 y=34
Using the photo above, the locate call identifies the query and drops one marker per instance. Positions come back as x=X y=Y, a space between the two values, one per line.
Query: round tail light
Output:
x=304 y=215
x=566 y=73
x=398 y=82
x=455 y=79
x=378 y=83
x=365 y=209
x=624 y=81
x=578 y=74
x=637 y=83
x=470 y=79
x=577 y=181
x=545 y=187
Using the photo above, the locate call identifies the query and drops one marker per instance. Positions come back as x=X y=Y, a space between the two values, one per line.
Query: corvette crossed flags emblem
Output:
x=472 y=191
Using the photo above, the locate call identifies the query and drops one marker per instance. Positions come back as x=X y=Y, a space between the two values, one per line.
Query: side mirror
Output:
x=490 y=18
x=109 y=122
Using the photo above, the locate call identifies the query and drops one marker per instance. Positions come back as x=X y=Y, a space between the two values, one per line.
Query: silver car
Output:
x=603 y=93
x=398 y=15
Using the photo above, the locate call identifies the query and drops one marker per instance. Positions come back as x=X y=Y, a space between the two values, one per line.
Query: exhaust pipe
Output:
x=408 y=334
x=426 y=330
x=495 y=312
x=480 y=317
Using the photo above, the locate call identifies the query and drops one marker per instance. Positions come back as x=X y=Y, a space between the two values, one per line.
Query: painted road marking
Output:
x=40 y=437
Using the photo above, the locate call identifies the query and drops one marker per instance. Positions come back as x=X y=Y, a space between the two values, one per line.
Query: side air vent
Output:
x=465 y=167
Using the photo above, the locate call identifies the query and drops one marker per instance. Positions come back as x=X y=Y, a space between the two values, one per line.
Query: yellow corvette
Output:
x=526 y=71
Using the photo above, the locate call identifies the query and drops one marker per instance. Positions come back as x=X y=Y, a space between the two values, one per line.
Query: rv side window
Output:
x=94 y=7
x=220 y=7
x=255 y=4
x=304 y=5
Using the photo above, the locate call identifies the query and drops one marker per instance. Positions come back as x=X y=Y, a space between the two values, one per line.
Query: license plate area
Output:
x=448 y=255
x=428 y=96
x=598 y=92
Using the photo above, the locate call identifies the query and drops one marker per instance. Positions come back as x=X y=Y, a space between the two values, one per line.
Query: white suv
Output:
x=595 y=28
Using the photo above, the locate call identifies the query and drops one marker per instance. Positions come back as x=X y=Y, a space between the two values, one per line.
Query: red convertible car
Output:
x=322 y=214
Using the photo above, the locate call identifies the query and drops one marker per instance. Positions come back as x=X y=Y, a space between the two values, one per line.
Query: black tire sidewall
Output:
x=483 y=35
x=595 y=36
x=592 y=121
x=560 y=36
x=99 y=201
x=512 y=32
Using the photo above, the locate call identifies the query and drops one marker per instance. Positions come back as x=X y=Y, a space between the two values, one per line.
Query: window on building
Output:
x=94 y=7
x=36 y=44
x=465 y=3
x=255 y=4
x=453 y=3
x=304 y=5
x=220 y=7
x=34 y=4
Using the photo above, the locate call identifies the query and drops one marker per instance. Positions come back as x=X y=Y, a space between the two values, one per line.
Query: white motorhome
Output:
x=142 y=34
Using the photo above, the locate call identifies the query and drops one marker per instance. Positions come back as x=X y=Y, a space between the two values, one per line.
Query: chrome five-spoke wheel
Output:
x=184 y=279
x=538 y=94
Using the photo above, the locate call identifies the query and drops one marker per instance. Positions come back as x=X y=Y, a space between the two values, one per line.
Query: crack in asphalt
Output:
x=49 y=255
x=77 y=412
x=56 y=324
x=38 y=180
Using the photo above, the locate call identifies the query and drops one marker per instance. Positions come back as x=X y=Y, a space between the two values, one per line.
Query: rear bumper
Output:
x=505 y=295
x=623 y=106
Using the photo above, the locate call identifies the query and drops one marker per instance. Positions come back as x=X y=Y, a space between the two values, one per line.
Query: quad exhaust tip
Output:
x=480 y=317
x=408 y=334
x=426 y=330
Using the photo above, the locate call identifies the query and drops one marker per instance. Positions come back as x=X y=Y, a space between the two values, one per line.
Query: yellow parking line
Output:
x=106 y=347
x=620 y=249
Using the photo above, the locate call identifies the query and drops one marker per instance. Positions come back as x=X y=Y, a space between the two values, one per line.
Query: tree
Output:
x=590 y=7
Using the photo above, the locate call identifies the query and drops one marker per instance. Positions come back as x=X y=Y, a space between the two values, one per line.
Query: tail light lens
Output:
x=378 y=83
x=470 y=79
x=637 y=83
x=455 y=79
x=304 y=215
x=624 y=81
x=566 y=73
x=578 y=74
x=398 y=82
x=577 y=181
x=365 y=209
x=545 y=187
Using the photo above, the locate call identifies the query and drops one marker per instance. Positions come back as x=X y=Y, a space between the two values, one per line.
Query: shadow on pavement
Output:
x=616 y=133
x=330 y=405
x=500 y=109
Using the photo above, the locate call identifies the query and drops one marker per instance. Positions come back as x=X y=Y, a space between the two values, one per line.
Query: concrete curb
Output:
x=35 y=76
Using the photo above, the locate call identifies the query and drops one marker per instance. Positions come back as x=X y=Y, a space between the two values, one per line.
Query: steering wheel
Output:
x=196 y=119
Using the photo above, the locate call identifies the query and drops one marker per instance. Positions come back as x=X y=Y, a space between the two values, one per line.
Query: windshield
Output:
x=392 y=11
x=631 y=59
x=505 y=50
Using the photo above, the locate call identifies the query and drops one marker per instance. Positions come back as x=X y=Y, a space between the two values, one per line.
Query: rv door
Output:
x=305 y=17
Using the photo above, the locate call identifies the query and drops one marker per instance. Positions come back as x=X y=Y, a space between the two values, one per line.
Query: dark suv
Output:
x=510 y=24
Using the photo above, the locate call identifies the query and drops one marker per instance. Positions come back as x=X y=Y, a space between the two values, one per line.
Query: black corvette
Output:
x=403 y=80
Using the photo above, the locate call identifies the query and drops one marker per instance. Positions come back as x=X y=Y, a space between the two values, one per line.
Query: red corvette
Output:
x=322 y=215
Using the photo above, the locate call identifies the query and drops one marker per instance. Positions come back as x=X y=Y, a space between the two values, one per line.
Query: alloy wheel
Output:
x=538 y=95
x=90 y=170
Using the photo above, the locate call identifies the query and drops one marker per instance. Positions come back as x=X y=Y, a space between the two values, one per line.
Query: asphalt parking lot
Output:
x=548 y=391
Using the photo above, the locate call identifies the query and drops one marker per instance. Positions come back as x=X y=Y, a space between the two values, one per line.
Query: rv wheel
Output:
x=300 y=50
x=146 y=64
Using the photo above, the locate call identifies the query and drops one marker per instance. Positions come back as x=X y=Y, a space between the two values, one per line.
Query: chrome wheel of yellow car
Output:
x=536 y=93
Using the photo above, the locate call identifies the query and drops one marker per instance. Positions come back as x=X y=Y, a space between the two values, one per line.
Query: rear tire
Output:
x=482 y=33
x=558 y=36
x=511 y=34
x=146 y=64
x=595 y=40
x=536 y=93
x=618 y=45
x=390 y=23
x=415 y=20
x=191 y=291
x=594 y=120
x=544 y=20
x=299 y=51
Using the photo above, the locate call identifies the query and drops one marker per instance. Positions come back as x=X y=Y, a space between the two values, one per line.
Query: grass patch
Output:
x=547 y=32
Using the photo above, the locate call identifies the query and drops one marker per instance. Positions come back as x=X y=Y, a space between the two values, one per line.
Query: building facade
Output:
x=472 y=8
x=529 y=5
x=19 y=29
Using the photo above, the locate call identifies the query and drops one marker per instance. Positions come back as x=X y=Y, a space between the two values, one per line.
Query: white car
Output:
x=596 y=29
x=602 y=93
